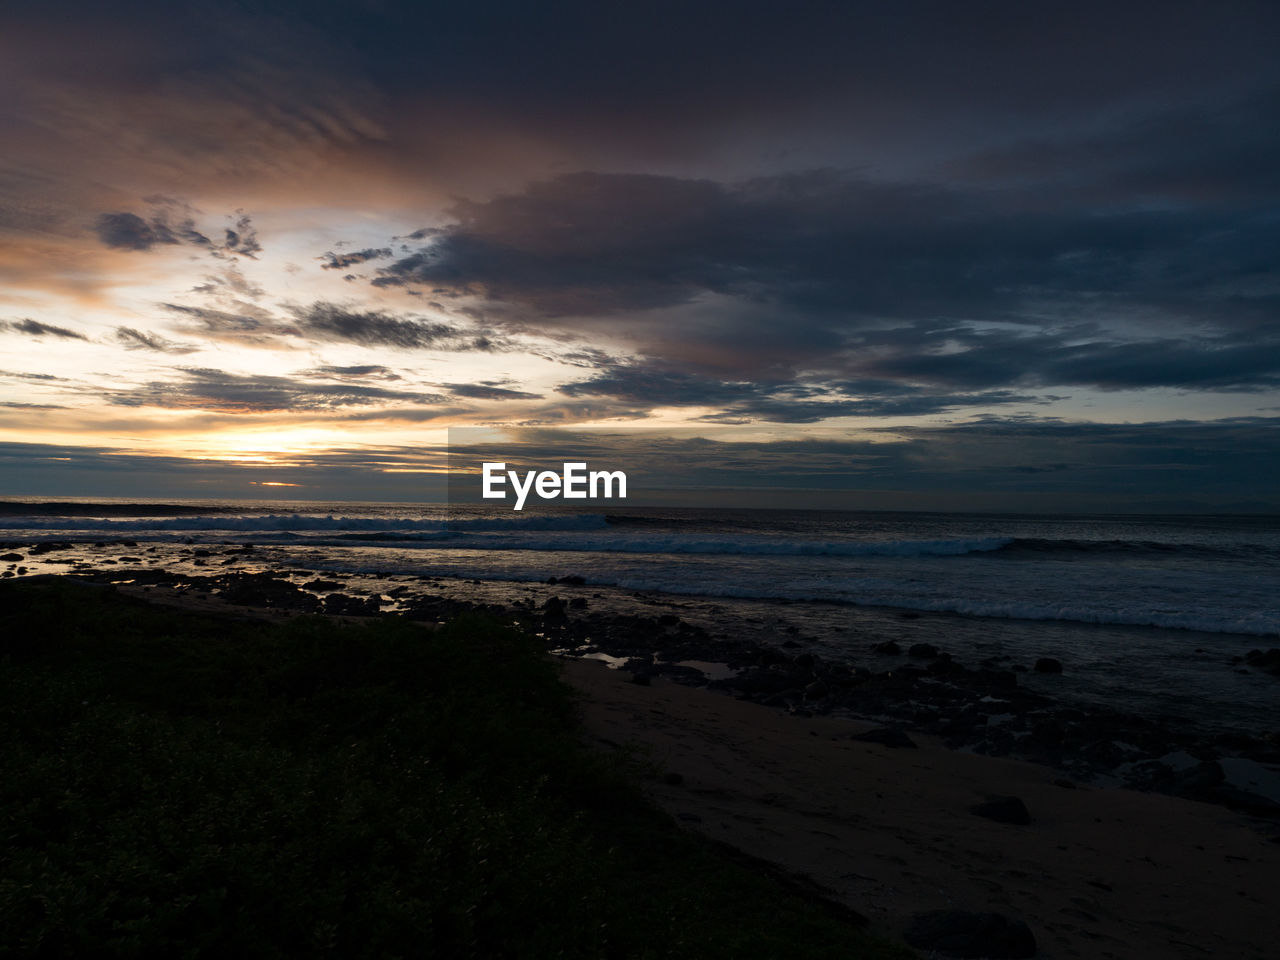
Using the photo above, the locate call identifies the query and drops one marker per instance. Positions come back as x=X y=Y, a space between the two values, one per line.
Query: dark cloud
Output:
x=250 y=326
x=128 y=231
x=831 y=246
x=242 y=239
x=359 y=370
x=488 y=390
x=651 y=386
x=215 y=390
x=774 y=276
x=137 y=340
x=40 y=377
x=170 y=222
x=36 y=329
x=341 y=261
x=329 y=321
x=962 y=357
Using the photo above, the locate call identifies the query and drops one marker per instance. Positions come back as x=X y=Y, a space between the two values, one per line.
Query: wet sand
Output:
x=889 y=832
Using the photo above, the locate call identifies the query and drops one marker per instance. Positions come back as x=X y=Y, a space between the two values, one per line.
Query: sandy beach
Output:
x=889 y=832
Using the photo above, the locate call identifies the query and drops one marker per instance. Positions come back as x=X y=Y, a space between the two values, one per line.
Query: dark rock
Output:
x=1268 y=662
x=886 y=736
x=1104 y=754
x=12 y=557
x=1199 y=782
x=322 y=585
x=906 y=674
x=764 y=682
x=996 y=679
x=578 y=603
x=923 y=651
x=1003 y=810
x=668 y=620
x=816 y=690
x=1047 y=731
x=888 y=647
x=261 y=590
x=573 y=580
x=963 y=933
x=1048 y=665
x=342 y=605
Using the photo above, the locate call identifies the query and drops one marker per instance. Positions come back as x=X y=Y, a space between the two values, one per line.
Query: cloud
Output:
x=251 y=326
x=593 y=245
x=358 y=370
x=329 y=321
x=242 y=238
x=773 y=276
x=488 y=390
x=390 y=472
x=652 y=385
x=959 y=356
x=36 y=329
x=198 y=388
x=137 y=340
x=991 y=464
x=128 y=231
x=39 y=377
x=230 y=282
x=341 y=261
x=172 y=222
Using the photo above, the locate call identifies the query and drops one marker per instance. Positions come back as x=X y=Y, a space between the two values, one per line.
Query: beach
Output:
x=889 y=832
x=1119 y=821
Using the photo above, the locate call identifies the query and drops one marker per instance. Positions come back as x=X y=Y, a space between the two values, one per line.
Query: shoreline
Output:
x=985 y=707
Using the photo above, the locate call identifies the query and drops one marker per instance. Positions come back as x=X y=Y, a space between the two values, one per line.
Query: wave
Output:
x=743 y=546
x=510 y=539
x=1263 y=623
x=273 y=523
x=1152 y=548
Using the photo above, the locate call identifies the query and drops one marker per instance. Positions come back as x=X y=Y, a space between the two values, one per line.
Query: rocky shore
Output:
x=979 y=707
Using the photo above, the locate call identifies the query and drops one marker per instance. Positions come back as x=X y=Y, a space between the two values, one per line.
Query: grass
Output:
x=183 y=785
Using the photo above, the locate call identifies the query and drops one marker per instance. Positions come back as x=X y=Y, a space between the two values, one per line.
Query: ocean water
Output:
x=1146 y=611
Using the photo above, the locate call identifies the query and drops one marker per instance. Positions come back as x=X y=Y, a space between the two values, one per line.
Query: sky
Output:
x=919 y=255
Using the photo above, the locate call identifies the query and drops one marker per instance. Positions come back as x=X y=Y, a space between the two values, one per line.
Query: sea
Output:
x=1148 y=614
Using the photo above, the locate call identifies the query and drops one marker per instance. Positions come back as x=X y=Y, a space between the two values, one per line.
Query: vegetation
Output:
x=184 y=785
